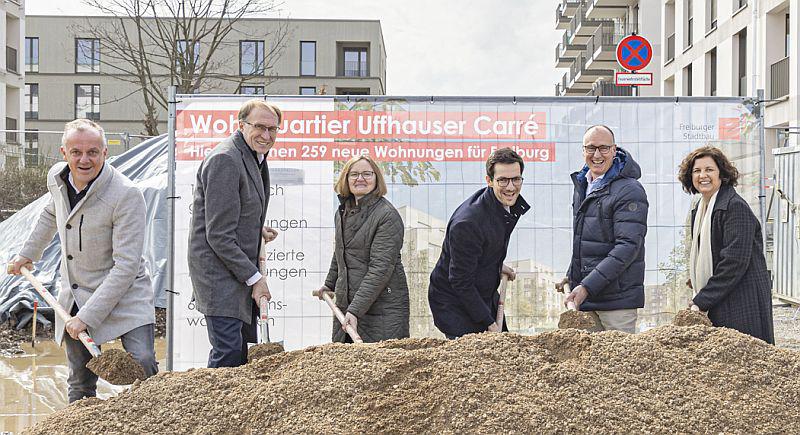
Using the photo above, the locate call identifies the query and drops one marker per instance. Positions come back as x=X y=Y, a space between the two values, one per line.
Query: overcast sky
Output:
x=438 y=47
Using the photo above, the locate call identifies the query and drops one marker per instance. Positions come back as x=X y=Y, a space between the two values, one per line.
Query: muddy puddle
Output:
x=34 y=384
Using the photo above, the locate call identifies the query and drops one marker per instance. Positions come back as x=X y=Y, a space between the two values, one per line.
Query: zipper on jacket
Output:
x=80 y=235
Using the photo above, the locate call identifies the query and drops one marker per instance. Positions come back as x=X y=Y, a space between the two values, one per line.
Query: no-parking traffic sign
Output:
x=634 y=52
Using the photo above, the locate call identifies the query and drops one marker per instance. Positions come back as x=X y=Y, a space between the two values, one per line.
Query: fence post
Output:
x=762 y=169
x=171 y=226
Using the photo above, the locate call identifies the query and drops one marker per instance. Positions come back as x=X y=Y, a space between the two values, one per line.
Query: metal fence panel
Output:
x=786 y=259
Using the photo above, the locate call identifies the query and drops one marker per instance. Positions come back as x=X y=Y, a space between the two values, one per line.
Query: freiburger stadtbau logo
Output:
x=392 y=136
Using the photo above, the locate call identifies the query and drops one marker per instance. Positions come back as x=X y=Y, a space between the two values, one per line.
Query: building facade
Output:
x=592 y=30
x=12 y=32
x=75 y=76
x=734 y=48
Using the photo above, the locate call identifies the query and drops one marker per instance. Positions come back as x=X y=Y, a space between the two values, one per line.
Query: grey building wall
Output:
x=121 y=104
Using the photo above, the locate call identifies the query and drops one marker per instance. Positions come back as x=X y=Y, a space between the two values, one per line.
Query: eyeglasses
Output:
x=260 y=128
x=503 y=182
x=590 y=149
x=366 y=175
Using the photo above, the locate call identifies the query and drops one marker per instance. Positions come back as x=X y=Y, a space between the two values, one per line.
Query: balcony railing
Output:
x=779 y=78
x=11 y=59
x=608 y=36
x=355 y=69
x=670 y=49
x=577 y=66
x=608 y=89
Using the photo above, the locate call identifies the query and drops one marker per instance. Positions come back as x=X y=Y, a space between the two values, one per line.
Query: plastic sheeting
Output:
x=145 y=165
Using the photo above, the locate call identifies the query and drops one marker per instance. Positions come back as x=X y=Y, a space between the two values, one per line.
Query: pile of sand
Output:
x=669 y=379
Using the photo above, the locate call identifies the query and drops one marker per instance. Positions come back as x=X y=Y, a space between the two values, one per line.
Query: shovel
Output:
x=112 y=366
x=501 y=313
x=326 y=296
x=264 y=347
x=572 y=318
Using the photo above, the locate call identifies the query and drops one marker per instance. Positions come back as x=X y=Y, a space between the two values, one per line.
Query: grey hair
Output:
x=83 y=124
x=605 y=127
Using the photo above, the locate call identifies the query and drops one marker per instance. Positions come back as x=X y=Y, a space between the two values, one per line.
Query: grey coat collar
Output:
x=106 y=174
x=249 y=162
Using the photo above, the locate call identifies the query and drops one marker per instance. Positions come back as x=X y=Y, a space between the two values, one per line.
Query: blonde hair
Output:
x=254 y=103
x=342 y=187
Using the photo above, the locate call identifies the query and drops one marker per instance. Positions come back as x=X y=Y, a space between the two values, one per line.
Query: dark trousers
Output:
x=229 y=337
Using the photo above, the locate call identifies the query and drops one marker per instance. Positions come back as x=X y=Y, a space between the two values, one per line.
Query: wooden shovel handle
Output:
x=87 y=341
x=570 y=305
x=326 y=296
x=501 y=312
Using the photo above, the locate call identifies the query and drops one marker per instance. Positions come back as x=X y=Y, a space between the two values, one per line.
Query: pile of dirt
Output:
x=577 y=320
x=668 y=379
x=117 y=367
x=262 y=350
x=687 y=317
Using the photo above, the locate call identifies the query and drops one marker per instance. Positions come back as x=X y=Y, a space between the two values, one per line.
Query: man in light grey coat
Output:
x=99 y=215
x=228 y=212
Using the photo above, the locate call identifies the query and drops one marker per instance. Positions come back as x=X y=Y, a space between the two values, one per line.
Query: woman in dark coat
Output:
x=727 y=268
x=366 y=273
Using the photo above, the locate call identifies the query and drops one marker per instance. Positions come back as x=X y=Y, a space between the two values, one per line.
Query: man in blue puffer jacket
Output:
x=609 y=208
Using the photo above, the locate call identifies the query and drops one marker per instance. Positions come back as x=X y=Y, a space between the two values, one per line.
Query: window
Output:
x=31 y=101
x=687 y=80
x=355 y=62
x=352 y=91
x=712 y=71
x=87 y=101
x=11 y=133
x=740 y=4
x=186 y=53
x=308 y=58
x=32 y=148
x=689 y=25
x=31 y=54
x=741 y=68
x=308 y=90
x=251 y=90
x=251 y=58
x=87 y=55
x=712 y=15
x=787 y=45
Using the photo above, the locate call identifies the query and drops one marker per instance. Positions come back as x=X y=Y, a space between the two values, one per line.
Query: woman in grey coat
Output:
x=366 y=273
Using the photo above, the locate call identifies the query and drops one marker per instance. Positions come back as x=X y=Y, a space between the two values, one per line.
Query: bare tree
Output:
x=156 y=43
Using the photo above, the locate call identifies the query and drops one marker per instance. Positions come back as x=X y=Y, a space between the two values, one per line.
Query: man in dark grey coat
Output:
x=463 y=290
x=228 y=212
x=609 y=208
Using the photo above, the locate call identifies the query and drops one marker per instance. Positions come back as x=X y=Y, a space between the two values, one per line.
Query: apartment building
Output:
x=734 y=48
x=67 y=71
x=12 y=81
x=592 y=30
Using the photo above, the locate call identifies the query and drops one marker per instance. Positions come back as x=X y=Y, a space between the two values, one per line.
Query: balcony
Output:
x=602 y=46
x=11 y=59
x=670 y=56
x=562 y=20
x=582 y=28
x=570 y=7
x=605 y=88
x=584 y=76
x=779 y=79
x=606 y=9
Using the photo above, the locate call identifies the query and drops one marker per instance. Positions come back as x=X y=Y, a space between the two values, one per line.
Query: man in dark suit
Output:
x=463 y=290
x=228 y=212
